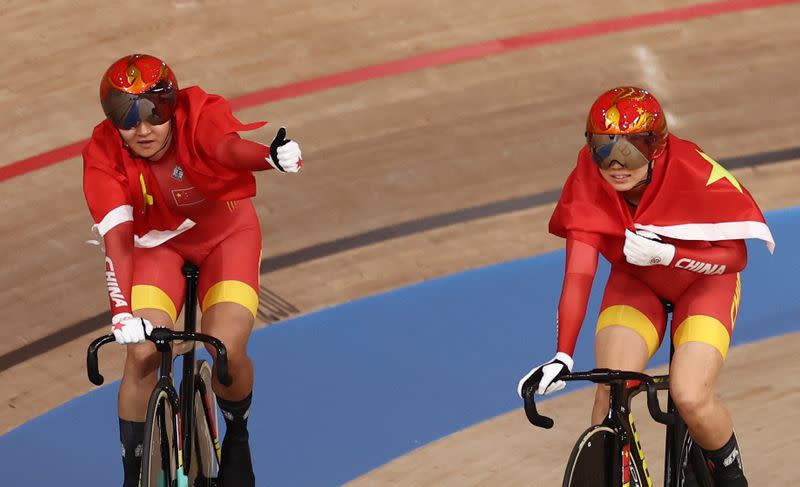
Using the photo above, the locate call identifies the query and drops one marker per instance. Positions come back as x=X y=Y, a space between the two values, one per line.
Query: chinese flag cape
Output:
x=690 y=197
x=113 y=179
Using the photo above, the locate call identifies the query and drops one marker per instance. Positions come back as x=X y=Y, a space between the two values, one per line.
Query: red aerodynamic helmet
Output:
x=136 y=88
x=627 y=125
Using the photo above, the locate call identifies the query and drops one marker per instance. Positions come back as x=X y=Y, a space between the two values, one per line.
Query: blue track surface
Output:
x=347 y=389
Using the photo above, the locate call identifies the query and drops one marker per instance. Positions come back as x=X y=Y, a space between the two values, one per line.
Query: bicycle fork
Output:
x=634 y=454
x=631 y=464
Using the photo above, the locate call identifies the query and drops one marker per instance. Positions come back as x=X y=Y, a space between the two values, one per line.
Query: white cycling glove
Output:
x=128 y=329
x=545 y=377
x=644 y=248
x=284 y=154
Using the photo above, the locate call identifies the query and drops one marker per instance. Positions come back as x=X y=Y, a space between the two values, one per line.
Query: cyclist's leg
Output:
x=232 y=323
x=704 y=318
x=157 y=287
x=228 y=293
x=629 y=330
x=229 y=299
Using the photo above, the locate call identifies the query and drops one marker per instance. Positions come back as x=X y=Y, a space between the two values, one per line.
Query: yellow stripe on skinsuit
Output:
x=231 y=292
x=704 y=329
x=737 y=297
x=630 y=317
x=147 y=296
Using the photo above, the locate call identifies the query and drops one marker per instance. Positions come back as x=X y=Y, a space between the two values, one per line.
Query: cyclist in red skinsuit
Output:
x=672 y=223
x=167 y=179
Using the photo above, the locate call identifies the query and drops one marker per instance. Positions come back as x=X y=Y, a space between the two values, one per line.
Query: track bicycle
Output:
x=181 y=442
x=610 y=454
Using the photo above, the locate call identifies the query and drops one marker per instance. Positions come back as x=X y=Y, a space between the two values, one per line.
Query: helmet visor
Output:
x=631 y=151
x=127 y=110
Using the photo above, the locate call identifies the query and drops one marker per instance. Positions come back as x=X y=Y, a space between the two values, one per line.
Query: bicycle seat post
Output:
x=191 y=273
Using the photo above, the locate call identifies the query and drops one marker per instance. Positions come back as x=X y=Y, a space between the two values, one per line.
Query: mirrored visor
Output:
x=631 y=151
x=126 y=110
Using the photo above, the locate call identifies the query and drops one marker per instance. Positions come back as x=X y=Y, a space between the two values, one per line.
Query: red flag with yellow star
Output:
x=690 y=197
x=120 y=187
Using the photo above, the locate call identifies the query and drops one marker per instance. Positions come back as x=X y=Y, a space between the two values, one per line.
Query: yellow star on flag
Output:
x=718 y=172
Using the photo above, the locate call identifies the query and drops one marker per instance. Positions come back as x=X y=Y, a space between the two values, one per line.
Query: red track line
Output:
x=437 y=58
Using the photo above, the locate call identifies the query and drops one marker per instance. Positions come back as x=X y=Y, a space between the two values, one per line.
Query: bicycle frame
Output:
x=163 y=338
x=620 y=418
x=624 y=387
x=191 y=273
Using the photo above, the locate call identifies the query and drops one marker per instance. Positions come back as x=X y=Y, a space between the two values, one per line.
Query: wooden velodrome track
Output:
x=410 y=176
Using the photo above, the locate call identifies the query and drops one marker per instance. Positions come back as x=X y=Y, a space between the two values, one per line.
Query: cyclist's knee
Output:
x=232 y=324
x=234 y=336
x=690 y=396
x=141 y=358
x=235 y=350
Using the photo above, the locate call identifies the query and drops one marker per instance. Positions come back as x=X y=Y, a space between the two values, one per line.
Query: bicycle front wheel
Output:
x=693 y=471
x=206 y=452
x=590 y=462
x=159 y=456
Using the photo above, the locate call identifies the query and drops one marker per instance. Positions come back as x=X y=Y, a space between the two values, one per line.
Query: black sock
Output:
x=236 y=414
x=131 y=435
x=236 y=469
x=726 y=464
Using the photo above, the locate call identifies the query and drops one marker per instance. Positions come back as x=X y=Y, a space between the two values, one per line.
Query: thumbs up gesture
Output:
x=284 y=154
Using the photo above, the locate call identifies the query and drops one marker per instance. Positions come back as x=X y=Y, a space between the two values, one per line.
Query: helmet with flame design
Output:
x=138 y=88
x=626 y=125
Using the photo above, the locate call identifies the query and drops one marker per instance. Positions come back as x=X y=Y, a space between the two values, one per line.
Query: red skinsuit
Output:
x=193 y=204
x=694 y=204
x=642 y=288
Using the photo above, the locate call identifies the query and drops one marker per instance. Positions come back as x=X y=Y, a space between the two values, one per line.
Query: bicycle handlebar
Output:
x=603 y=376
x=162 y=336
